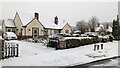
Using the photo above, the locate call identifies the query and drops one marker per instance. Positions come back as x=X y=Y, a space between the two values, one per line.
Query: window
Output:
x=13 y=30
x=66 y=31
x=56 y=31
x=8 y=30
x=29 y=29
x=50 y=31
x=46 y=31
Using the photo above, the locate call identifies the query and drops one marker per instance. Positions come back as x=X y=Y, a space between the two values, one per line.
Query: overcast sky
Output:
x=70 y=11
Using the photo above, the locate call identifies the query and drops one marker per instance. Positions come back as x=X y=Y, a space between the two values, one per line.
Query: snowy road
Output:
x=109 y=62
x=36 y=54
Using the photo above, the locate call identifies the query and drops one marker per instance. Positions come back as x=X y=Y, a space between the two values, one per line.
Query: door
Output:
x=35 y=32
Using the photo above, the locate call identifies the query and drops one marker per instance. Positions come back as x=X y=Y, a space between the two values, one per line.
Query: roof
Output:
x=60 y=25
x=99 y=28
x=9 y=23
x=25 y=17
x=109 y=29
x=48 y=22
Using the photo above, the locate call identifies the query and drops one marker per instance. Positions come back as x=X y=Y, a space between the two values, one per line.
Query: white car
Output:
x=9 y=36
x=76 y=35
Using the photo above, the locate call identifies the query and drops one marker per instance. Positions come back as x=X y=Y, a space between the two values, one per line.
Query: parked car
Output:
x=89 y=34
x=59 y=36
x=9 y=36
x=76 y=35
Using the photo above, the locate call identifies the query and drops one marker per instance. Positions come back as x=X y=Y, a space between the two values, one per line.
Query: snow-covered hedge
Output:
x=71 y=42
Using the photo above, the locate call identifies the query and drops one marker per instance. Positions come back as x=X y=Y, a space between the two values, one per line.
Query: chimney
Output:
x=107 y=26
x=36 y=15
x=98 y=24
x=118 y=19
x=56 y=20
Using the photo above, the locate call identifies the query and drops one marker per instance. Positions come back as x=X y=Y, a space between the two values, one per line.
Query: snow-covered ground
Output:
x=0 y=63
x=36 y=54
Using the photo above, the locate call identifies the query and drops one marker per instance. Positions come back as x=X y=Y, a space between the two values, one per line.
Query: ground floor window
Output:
x=46 y=31
x=8 y=30
x=66 y=31
x=13 y=30
x=56 y=31
x=50 y=31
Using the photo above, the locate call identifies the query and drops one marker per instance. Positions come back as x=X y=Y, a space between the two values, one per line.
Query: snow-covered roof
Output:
x=49 y=23
x=9 y=23
x=54 y=26
x=25 y=17
x=99 y=28
x=109 y=29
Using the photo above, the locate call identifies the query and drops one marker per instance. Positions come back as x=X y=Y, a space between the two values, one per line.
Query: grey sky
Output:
x=70 y=11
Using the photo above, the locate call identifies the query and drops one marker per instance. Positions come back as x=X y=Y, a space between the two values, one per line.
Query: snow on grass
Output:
x=31 y=49
x=0 y=63
x=36 y=54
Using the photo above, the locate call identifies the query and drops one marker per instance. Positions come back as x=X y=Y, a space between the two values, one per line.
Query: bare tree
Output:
x=81 y=26
x=92 y=23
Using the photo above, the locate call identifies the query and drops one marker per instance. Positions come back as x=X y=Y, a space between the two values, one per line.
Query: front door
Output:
x=35 y=32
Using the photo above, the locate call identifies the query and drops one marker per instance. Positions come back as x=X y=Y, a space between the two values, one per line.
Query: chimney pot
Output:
x=56 y=20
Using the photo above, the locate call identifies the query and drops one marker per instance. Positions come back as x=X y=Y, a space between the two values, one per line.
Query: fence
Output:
x=9 y=49
x=1 y=49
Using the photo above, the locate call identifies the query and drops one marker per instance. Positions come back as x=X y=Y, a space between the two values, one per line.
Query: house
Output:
x=8 y=25
x=109 y=30
x=56 y=26
x=103 y=30
x=100 y=30
x=27 y=26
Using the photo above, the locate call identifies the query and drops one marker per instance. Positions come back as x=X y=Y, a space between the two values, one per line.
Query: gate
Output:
x=9 y=49
x=1 y=48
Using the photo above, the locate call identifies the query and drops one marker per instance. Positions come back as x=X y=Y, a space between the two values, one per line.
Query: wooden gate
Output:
x=9 y=49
